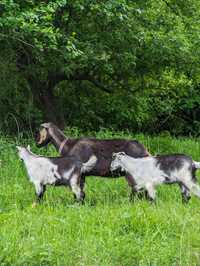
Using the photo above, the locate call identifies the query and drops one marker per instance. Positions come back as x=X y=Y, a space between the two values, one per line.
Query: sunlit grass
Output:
x=108 y=229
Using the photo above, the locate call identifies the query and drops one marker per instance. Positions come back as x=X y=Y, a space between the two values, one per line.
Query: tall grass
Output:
x=108 y=229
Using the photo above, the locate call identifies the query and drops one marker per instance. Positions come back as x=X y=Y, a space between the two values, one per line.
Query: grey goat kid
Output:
x=55 y=171
x=146 y=173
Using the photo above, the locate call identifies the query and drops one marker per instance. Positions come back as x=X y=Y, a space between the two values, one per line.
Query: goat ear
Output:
x=46 y=125
x=28 y=148
x=18 y=148
x=113 y=155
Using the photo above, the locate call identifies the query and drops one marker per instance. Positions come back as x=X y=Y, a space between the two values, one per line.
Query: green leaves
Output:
x=134 y=48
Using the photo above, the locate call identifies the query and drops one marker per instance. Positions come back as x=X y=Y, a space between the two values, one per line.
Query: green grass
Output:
x=108 y=229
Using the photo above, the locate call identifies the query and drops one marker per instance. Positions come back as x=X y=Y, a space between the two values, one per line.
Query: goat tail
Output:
x=86 y=167
x=196 y=164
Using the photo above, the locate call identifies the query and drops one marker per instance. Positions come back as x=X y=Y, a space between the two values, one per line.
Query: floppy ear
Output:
x=18 y=148
x=46 y=125
x=28 y=148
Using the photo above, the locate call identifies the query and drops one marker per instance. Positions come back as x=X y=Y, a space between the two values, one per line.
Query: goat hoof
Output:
x=34 y=204
x=80 y=202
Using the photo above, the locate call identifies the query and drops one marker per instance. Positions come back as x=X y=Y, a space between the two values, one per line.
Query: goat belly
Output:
x=62 y=182
x=102 y=168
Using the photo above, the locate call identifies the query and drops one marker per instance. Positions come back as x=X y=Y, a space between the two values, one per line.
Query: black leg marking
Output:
x=82 y=184
x=131 y=183
x=133 y=195
x=130 y=180
x=40 y=192
x=185 y=193
x=151 y=193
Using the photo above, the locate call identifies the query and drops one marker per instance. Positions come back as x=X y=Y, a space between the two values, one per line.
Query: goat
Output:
x=55 y=171
x=84 y=148
x=146 y=173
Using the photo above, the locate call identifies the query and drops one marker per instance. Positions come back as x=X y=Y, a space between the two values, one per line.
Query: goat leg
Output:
x=76 y=188
x=185 y=193
x=40 y=190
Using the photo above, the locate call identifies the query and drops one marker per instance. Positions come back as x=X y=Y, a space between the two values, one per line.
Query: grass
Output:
x=108 y=229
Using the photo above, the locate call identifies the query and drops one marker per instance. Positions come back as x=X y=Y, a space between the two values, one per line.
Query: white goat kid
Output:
x=148 y=172
x=55 y=171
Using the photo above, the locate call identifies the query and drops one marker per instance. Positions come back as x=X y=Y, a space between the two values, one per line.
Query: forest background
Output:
x=100 y=64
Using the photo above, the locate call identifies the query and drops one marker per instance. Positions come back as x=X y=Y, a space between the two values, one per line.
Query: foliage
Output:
x=116 y=64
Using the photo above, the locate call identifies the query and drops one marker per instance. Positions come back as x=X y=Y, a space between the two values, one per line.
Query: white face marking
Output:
x=43 y=135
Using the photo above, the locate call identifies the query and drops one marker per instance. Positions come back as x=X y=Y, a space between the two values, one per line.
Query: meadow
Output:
x=108 y=229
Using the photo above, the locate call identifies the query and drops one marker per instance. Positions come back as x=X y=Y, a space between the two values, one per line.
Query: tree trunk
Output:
x=48 y=103
x=51 y=108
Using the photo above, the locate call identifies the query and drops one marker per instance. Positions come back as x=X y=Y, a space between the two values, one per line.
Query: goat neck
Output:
x=58 y=139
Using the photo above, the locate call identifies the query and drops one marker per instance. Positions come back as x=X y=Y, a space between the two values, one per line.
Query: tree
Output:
x=112 y=46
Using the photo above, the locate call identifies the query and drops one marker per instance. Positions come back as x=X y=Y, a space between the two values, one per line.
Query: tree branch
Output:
x=17 y=39
x=54 y=79
x=99 y=85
